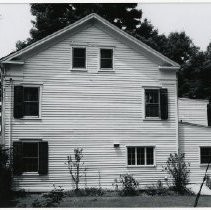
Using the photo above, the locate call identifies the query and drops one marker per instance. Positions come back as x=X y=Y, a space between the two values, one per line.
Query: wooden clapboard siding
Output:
x=93 y=110
x=191 y=137
x=193 y=111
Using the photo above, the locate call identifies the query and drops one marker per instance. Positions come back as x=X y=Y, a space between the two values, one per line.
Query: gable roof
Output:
x=81 y=22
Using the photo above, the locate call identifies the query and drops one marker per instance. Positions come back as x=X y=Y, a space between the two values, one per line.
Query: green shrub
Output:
x=51 y=199
x=208 y=181
x=5 y=173
x=178 y=169
x=157 y=189
x=128 y=184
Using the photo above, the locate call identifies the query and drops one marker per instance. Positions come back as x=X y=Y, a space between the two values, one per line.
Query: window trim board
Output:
x=141 y=166
x=40 y=91
x=199 y=154
x=79 y=68
x=99 y=60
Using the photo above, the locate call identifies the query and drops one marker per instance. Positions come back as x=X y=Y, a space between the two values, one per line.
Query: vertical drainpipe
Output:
x=2 y=103
x=177 y=114
x=11 y=113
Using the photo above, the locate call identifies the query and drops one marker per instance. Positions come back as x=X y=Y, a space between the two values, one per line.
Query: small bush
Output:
x=128 y=185
x=208 y=181
x=178 y=169
x=92 y=191
x=157 y=189
x=51 y=199
x=5 y=173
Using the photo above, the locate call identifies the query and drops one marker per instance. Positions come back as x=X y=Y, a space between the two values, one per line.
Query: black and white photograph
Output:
x=105 y=105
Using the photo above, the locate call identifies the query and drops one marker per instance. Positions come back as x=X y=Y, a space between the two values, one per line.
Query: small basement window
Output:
x=205 y=155
x=140 y=156
x=79 y=58
x=106 y=58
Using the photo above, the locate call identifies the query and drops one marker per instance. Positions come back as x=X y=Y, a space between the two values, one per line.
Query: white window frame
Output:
x=144 y=103
x=141 y=166
x=40 y=87
x=75 y=68
x=202 y=164
x=113 y=64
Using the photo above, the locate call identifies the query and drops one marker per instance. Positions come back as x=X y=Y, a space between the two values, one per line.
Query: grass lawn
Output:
x=137 y=201
x=117 y=201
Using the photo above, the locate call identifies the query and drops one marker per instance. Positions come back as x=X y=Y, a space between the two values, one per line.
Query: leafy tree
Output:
x=52 y=17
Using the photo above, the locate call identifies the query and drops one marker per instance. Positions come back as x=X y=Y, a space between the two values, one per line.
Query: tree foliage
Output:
x=194 y=76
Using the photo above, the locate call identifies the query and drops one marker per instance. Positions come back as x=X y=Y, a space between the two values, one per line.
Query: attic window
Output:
x=79 y=57
x=106 y=58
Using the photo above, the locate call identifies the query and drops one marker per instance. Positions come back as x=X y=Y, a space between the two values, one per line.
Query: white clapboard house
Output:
x=93 y=86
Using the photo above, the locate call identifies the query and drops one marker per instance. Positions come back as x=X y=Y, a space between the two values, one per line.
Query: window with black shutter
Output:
x=140 y=156
x=79 y=58
x=152 y=103
x=156 y=103
x=209 y=114
x=106 y=58
x=205 y=155
x=30 y=156
x=26 y=101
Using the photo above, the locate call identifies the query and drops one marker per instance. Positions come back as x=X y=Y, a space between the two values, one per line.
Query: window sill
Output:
x=152 y=119
x=106 y=70
x=141 y=166
x=30 y=173
x=204 y=165
x=28 y=118
x=79 y=69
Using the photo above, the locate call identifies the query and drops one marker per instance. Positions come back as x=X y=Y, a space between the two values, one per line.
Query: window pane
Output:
x=131 y=155
x=140 y=156
x=31 y=94
x=79 y=52
x=30 y=156
x=31 y=108
x=30 y=164
x=106 y=53
x=79 y=57
x=106 y=63
x=150 y=156
x=152 y=110
x=106 y=58
x=151 y=96
x=79 y=63
x=30 y=149
x=205 y=154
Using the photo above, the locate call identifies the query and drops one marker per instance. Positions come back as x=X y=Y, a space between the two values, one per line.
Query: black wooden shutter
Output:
x=164 y=103
x=43 y=158
x=18 y=102
x=209 y=114
x=17 y=158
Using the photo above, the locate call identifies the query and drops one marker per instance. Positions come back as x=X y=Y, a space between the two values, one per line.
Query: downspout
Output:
x=177 y=115
x=2 y=104
x=11 y=113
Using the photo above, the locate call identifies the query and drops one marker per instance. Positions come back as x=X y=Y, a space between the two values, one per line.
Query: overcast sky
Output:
x=194 y=19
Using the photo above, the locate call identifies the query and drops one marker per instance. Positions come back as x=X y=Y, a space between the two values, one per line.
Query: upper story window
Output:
x=26 y=101
x=205 y=153
x=106 y=58
x=156 y=103
x=152 y=104
x=79 y=58
x=140 y=156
